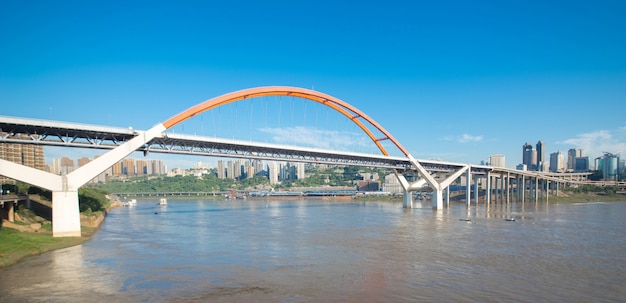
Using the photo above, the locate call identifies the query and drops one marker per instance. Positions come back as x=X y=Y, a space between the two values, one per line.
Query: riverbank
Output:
x=16 y=245
x=567 y=197
x=563 y=197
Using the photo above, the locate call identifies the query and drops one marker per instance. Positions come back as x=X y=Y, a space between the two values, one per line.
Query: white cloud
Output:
x=464 y=138
x=469 y=138
x=597 y=142
x=323 y=139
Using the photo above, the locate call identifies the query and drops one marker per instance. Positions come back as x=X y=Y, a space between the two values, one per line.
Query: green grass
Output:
x=15 y=245
x=569 y=197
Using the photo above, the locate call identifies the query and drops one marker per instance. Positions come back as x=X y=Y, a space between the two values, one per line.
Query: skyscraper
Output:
x=541 y=154
x=274 y=170
x=142 y=167
x=221 y=170
x=572 y=154
x=529 y=156
x=26 y=154
x=526 y=154
x=557 y=162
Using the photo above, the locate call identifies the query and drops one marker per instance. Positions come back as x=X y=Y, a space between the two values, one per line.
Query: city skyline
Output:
x=453 y=81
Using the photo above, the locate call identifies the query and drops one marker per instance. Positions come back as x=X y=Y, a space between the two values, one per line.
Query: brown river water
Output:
x=336 y=251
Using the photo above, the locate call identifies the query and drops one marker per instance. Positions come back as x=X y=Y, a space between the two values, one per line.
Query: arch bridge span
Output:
x=349 y=111
x=122 y=142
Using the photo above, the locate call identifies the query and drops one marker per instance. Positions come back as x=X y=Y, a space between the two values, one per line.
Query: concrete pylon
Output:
x=65 y=214
x=437 y=199
x=408 y=188
x=407 y=199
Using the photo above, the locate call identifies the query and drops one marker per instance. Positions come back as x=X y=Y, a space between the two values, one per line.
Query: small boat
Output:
x=510 y=219
x=163 y=202
x=130 y=203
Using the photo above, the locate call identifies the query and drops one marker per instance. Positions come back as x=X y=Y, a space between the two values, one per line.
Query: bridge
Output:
x=121 y=142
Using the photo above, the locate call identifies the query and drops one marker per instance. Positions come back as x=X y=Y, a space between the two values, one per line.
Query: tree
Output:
x=351 y=173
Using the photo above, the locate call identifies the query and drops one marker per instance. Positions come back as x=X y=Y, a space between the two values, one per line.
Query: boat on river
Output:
x=129 y=203
x=163 y=202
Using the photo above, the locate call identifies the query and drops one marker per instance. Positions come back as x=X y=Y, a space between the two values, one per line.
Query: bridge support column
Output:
x=523 y=189
x=468 y=187
x=556 y=194
x=488 y=189
x=508 y=188
x=437 y=199
x=495 y=190
x=10 y=211
x=65 y=214
x=536 y=189
x=476 y=191
x=407 y=199
x=447 y=196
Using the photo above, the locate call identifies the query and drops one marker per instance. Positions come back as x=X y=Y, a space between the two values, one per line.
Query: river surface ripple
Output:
x=336 y=251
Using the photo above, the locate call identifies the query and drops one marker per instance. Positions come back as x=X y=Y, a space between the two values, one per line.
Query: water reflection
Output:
x=337 y=251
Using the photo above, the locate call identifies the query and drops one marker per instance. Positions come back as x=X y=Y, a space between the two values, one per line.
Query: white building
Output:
x=392 y=184
x=557 y=162
x=497 y=161
x=274 y=171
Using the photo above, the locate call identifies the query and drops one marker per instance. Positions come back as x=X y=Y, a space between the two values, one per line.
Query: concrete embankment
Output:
x=95 y=221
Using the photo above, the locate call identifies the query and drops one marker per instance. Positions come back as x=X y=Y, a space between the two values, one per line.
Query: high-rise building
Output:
x=526 y=153
x=557 y=162
x=82 y=161
x=497 y=161
x=572 y=154
x=67 y=165
x=533 y=159
x=541 y=155
x=274 y=170
x=300 y=174
x=230 y=171
x=529 y=156
x=284 y=172
x=392 y=184
x=157 y=167
x=259 y=166
x=581 y=164
x=221 y=170
x=238 y=165
x=250 y=170
x=142 y=167
x=128 y=167
x=117 y=169
x=30 y=155
x=541 y=152
x=56 y=166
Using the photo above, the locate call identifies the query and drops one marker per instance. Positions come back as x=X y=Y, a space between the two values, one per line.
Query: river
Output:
x=336 y=251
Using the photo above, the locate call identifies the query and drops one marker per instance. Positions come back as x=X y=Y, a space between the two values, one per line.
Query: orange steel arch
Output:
x=342 y=107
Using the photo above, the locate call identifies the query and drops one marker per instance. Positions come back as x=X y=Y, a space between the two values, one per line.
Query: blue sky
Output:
x=453 y=80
